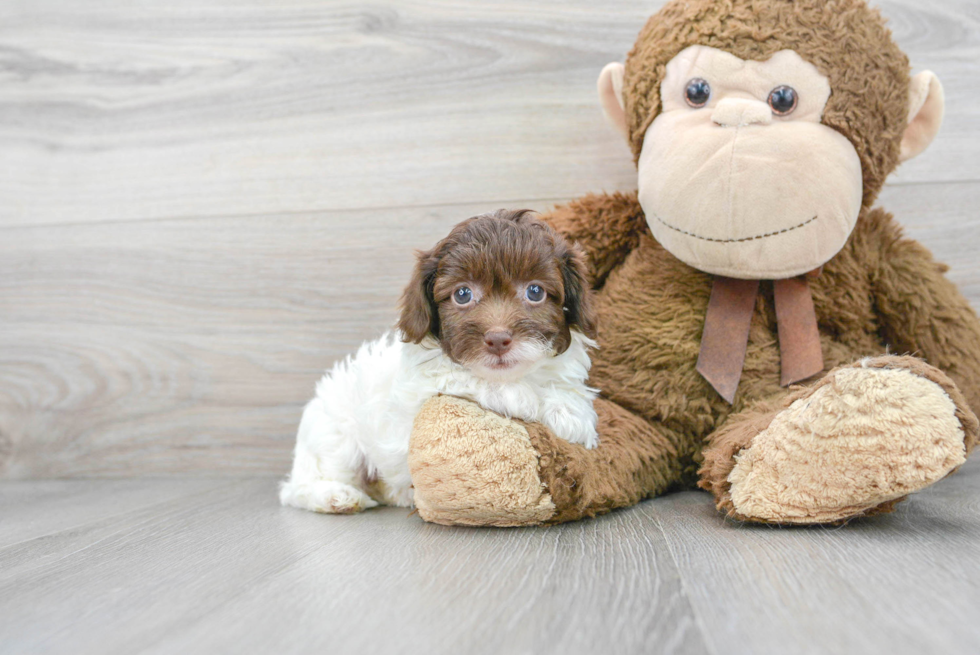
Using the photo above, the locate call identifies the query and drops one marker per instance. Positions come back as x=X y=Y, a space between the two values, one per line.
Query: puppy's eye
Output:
x=534 y=293
x=462 y=296
x=697 y=92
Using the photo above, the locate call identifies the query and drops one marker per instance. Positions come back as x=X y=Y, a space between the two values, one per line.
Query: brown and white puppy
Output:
x=499 y=312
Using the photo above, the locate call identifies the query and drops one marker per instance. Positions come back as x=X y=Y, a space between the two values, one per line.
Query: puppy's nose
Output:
x=498 y=342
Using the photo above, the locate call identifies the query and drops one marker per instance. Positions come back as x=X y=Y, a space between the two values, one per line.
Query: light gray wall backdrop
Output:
x=203 y=204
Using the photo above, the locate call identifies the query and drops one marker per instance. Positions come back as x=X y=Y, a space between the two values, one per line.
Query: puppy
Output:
x=500 y=313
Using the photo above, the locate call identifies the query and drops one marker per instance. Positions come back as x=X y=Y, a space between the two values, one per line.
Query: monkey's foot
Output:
x=855 y=443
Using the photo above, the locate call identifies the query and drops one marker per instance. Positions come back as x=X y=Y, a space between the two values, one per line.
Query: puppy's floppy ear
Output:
x=579 y=303
x=419 y=312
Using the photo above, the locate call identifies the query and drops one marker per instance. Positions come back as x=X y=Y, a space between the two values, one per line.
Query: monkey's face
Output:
x=761 y=129
x=737 y=176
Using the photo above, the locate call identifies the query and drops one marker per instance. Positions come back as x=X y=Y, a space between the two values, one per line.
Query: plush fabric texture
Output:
x=927 y=105
x=863 y=436
x=709 y=193
x=881 y=292
x=501 y=486
x=858 y=441
x=498 y=488
x=659 y=421
x=661 y=425
x=845 y=39
x=637 y=460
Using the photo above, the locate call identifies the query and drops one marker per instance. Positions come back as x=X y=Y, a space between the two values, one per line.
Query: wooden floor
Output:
x=204 y=203
x=217 y=566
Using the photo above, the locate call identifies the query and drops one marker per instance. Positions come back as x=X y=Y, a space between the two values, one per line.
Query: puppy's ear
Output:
x=419 y=312
x=579 y=303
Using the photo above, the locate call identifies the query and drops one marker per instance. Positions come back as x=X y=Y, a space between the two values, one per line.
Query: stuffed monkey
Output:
x=764 y=332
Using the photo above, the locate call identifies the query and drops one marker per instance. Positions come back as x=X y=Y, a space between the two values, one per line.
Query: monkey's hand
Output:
x=471 y=466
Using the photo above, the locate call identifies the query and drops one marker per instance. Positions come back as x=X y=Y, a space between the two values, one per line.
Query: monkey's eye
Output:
x=462 y=296
x=783 y=100
x=697 y=92
x=534 y=293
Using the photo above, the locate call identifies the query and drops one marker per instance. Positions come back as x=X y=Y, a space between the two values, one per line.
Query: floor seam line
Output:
x=698 y=620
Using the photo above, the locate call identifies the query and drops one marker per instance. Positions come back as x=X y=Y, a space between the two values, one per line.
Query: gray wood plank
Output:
x=130 y=577
x=188 y=346
x=35 y=508
x=906 y=582
x=228 y=570
x=214 y=109
x=231 y=571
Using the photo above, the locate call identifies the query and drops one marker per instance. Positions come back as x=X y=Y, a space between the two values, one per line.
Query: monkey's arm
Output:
x=606 y=226
x=922 y=313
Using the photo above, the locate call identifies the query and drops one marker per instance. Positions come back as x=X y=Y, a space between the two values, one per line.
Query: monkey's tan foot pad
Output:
x=473 y=467
x=855 y=443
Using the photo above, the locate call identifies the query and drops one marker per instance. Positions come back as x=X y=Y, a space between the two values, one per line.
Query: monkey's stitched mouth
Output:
x=758 y=236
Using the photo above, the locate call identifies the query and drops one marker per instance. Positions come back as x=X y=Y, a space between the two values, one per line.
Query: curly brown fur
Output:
x=622 y=221
x=496 y=259
x=636 y=460
x=880 y=292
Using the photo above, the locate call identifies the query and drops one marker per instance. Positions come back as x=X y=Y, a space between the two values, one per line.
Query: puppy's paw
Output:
x=589 y=438
x=401 y=497
x=578 y=432
x=326 y=497
x=577 y=427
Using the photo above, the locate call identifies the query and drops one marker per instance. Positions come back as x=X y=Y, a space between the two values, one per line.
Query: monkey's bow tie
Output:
x=726 y=332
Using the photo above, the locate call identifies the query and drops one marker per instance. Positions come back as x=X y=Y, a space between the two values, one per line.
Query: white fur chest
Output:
x=554 y=392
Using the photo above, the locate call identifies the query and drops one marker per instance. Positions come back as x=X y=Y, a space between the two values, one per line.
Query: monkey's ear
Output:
x=927 y=103
x=419 y=312
x=611 y=97
x=579 y=304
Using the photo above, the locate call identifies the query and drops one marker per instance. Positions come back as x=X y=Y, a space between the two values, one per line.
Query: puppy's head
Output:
x=500 y=293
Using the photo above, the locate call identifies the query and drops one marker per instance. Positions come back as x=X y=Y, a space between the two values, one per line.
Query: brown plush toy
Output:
x=749 y=259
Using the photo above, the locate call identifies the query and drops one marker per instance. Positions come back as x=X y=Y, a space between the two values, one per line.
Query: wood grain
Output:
x=37 y=508
x=205 y=204
x=214 y=108
x=230 y=571
x=900 y=583
x=225 y=569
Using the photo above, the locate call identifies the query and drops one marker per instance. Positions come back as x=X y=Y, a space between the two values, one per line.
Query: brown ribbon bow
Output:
x=726 y=332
